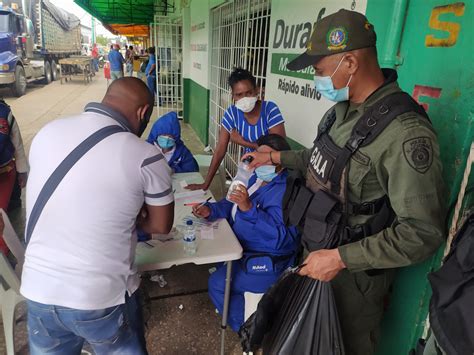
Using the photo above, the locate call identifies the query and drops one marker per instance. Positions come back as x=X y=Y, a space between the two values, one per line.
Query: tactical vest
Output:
x=318 y=205
x=7 y=150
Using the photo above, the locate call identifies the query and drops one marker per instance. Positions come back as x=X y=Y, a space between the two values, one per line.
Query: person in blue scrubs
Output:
x=166 y=132
x=256 y=217
x=243 y=122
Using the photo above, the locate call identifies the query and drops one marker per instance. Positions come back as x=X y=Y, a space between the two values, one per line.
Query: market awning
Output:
x=126 y=12
x=129 y=30
x=138 y=12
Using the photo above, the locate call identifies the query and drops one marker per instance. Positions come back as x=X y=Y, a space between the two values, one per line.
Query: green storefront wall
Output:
x=196 y=108
x=433 y=53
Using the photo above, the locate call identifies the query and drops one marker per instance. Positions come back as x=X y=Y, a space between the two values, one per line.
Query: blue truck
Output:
x=34 y=36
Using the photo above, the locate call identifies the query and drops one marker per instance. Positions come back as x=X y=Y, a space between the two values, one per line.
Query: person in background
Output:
x=129 y=54
x=116 y=63
x=256 y=217
x=244 y=122
x=95 y=57
x=13 y=162
x=151 y=70
x=166 y=132
x=79 y=277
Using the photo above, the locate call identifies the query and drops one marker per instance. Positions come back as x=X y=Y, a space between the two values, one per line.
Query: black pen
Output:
x=203 y=203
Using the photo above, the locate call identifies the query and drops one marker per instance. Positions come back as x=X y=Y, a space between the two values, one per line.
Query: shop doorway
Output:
x=240 y=37
x=167 y=40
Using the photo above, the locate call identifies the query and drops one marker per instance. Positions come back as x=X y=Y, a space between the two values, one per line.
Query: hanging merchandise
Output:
x=297 y=315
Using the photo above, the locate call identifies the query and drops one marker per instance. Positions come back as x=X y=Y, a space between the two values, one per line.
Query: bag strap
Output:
x=60 y=172
x=327 y=124
x=370 y=125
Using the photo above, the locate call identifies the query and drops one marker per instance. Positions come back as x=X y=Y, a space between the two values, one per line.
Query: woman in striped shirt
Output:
x=244 y=122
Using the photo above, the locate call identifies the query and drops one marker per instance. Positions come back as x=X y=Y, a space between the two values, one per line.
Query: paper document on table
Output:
x=207 y=233
x=187 y=194
x=199 y=222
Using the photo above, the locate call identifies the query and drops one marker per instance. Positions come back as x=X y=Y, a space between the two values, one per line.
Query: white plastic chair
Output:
x=13 y=243
x=250 y=303
x=9 y=298
x=204 y=161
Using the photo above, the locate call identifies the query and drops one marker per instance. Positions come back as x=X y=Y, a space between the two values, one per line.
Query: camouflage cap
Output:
x=340 y=32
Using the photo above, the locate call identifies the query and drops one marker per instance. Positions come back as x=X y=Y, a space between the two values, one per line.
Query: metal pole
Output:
x=93 y=29
x=228 y=279
x=389 y=58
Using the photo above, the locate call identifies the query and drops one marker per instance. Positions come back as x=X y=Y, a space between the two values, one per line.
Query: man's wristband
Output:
x=271 y=160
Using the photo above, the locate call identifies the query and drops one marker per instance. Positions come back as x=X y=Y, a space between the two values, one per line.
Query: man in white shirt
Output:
x=78 y=276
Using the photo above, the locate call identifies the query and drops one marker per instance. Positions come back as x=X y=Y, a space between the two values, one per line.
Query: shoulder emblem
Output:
x=419 y=153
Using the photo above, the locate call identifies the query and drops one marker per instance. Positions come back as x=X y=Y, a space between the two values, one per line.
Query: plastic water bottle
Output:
x=242 y=177
x=189 y=239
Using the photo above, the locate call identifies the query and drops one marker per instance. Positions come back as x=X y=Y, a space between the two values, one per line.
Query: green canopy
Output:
x=139 y=12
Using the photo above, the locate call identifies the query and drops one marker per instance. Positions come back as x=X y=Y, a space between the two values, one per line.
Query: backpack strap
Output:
x=372 y=123
x=60 y=172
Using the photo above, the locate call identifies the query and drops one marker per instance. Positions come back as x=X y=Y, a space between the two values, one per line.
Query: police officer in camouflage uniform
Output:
x=368 y=197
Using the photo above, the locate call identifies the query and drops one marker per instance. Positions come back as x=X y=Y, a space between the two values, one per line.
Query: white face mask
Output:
x=246 y=104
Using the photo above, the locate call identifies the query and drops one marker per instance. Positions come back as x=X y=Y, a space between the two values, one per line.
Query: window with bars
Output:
x=167 y=40
x=240 y=38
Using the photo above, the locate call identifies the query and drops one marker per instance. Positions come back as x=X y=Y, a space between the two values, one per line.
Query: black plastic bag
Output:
x=297 y=315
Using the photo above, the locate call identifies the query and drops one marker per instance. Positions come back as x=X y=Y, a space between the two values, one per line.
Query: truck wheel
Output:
x=19 y=86
x=54 y=71
x=47 y=73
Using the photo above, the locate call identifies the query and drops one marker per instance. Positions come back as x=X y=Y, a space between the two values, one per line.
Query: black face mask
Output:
x=144 y=122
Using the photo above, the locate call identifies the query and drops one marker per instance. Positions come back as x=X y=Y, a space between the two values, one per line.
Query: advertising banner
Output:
x=293 y=91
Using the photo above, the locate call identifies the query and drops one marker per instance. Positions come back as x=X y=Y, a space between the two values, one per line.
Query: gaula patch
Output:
x=419 y=153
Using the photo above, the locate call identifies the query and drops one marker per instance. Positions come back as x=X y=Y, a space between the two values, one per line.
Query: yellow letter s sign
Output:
x=452 y=28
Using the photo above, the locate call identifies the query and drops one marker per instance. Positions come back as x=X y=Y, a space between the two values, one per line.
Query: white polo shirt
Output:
x=82 y=249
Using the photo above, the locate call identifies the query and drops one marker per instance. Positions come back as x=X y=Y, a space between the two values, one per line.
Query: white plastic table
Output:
x=161 y=253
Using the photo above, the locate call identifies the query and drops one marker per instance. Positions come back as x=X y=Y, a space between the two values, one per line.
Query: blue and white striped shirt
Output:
x=270 y=116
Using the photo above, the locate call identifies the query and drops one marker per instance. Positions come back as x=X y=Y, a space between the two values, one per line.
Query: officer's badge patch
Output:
x=419 y=153
x=336 y=38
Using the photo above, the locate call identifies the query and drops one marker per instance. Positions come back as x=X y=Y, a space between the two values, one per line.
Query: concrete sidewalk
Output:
x=194 y=329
